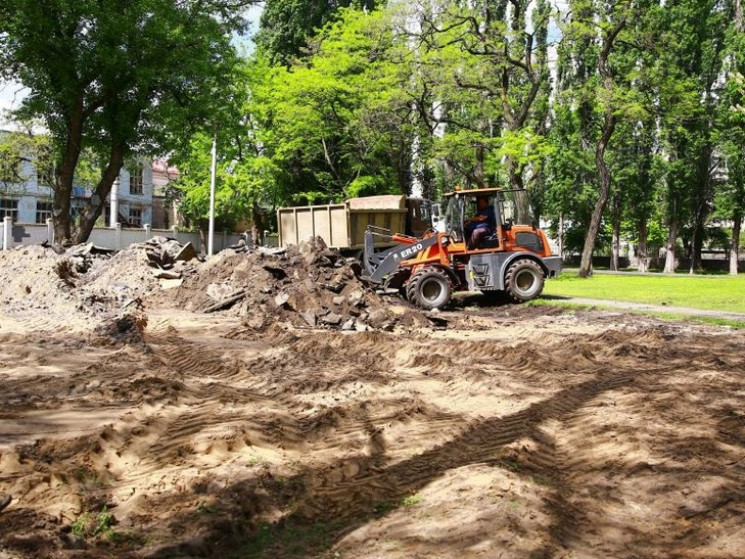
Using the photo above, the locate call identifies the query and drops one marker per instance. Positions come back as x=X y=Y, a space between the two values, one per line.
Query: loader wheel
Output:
x=429 y=289
x=523 y=280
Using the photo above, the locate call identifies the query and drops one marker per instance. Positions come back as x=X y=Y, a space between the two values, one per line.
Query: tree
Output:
x=26 y=152
x=18 y=150
x=482 y=66
x=118 y=77
x=688 y=100
x=597 y=93
x=338 y=122
x=287 y=26
x=730 y=136
x=246 y=177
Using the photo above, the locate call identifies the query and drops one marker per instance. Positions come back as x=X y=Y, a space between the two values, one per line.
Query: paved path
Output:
x=625 y=305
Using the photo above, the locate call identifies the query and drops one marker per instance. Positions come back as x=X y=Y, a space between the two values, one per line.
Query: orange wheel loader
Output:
x=485 y=243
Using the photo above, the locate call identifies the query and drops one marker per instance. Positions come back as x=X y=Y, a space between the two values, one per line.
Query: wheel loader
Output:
x=510 y=257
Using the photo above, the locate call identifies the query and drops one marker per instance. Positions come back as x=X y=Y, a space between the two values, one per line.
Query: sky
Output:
x=11 y=95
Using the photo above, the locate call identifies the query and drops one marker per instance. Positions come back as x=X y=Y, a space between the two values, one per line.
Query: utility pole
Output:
x=211 y=235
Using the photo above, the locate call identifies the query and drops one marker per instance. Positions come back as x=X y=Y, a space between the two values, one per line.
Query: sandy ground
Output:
x=500 y=431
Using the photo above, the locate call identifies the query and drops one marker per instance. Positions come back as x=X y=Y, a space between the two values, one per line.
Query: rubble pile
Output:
x=81 y=257
x=35 y=278
x=168 y=256
x=85 y=287
x=306 y=286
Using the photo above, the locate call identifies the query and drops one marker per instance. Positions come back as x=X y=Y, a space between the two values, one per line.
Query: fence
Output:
x=19 y=234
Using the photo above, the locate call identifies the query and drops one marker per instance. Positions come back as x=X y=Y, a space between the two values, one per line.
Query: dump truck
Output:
x=343 y=226
x=510 y=257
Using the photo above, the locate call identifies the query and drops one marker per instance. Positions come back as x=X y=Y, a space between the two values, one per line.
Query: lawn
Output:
x=723 y=293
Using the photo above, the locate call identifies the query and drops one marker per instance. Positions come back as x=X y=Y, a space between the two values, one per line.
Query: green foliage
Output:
x=116 y=77
x=28 y=156
x=14 y=149
x=287 y=26
x=337 y=123
x=96 y=524
x=362 y=97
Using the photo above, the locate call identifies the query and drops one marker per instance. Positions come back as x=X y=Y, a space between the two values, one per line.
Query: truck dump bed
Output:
x=341 y=226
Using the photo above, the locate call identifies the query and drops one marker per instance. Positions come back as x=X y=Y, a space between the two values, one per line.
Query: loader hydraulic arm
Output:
x=380 y=264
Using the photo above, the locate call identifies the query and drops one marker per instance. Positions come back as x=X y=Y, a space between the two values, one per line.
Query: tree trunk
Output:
x=515 y=173
x=670 y=246
x=585 y=267
x=480 y=183
x=642 y=258
x=94 y=206
x=734 y=249
x=609 y=125
x=702 y=201
x=616 y=241
x=66 y=174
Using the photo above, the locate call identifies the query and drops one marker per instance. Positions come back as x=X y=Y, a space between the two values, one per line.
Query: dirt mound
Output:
x=82 y=289
x=92 y=290
x=126 y=327
x=519 y=434
x=306 y=286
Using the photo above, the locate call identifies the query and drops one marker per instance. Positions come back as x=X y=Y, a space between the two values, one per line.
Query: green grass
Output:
x=721 y=293
x=290 y=541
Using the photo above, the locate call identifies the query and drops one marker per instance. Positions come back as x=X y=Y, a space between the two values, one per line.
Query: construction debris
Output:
x=308 y=286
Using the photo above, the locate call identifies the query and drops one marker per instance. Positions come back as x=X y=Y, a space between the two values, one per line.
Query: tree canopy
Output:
x=118 y=77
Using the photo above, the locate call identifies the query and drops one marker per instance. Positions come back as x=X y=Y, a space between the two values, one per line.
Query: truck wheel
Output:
x=523 y=280
x=429 y=289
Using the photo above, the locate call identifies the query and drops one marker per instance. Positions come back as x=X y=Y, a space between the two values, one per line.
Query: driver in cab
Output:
x=482 y=225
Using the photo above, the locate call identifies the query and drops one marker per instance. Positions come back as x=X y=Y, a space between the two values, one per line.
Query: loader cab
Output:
x=514 y=207
x=511 y=207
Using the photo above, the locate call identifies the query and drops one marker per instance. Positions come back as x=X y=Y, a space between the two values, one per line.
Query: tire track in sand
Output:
x=479 y=442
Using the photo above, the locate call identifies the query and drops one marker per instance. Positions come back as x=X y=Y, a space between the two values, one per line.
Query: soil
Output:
x=311 y=417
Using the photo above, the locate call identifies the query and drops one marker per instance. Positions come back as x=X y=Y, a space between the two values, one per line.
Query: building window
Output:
x=45 y=175
x=135 y=179
x=43 y=211
x=135 y=216
x=9 y=208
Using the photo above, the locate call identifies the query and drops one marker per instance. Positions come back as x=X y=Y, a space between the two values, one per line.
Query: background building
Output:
x=26 y=192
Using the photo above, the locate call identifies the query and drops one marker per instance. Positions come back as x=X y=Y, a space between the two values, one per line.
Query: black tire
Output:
x=429 y=289
x=397 y=280
x=524 y=280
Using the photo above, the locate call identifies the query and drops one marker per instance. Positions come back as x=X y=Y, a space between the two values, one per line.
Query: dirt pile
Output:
x=82 y=289
x=306 y=286
x=90 y=289
x=40 y=287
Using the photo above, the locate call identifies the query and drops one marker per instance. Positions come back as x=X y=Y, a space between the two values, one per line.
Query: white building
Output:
x=132 y=196
x=26 y=193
